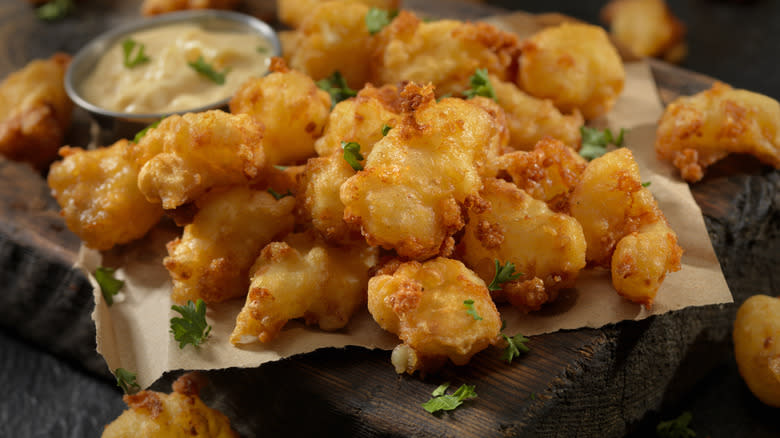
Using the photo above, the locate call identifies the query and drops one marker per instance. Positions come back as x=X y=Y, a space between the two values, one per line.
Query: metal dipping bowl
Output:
x=114 y=124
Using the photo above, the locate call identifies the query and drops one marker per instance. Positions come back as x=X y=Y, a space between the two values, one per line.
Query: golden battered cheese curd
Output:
x=757 y=346
x=166 y=82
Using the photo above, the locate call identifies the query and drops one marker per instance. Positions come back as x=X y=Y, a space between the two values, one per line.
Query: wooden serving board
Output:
x=585 y=382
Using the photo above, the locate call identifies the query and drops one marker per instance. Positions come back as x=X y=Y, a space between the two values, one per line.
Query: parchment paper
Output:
x=134 y=332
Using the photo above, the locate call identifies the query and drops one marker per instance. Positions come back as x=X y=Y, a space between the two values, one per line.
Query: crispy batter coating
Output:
x=179 y=414
x=575 y=65
x=646 y=27
x=293 y=12
x=35 y=111
x=417 y=178
x=611 y=205
x=444 y=52
x=547 y=247
x=549 y=172
x=361 y=119
x=98 y=193
x=696 y=131
x=291 y=108
x=185 y=156
x=531 y=119
x=757 y=346
x=155 y=7
x=423 y=303
x=333 y=37
x=211 y=260
x=303 y=277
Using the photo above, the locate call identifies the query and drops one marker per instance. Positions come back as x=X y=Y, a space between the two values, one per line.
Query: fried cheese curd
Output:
x=624 y=228
x=303 y=277
x=293 y=12
x=646 y=27
x=332 y=37
x=548 y=248
x=181 y=413
x=445 y=53
x=698 y=130
x=186 y=156
x=409 y=196
x=35 y=111
x=291 y=109
x=549 y=172
x=757 y=347
x=211 y=259
x=97 y=191
x=155 y=7
x=360 y=120
x=425 y=305
x=575 y=65
x=530 y=119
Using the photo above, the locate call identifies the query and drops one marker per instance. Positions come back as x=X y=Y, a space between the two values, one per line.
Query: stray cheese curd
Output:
x=168 y=80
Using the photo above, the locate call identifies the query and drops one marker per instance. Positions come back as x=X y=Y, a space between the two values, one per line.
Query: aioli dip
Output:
x=166 y=82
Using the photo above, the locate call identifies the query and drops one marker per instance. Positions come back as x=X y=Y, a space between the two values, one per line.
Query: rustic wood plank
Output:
x=595 y=382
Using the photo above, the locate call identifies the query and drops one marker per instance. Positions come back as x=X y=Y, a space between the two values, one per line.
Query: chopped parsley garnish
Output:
x=337 y=87
x=352 y=154
x=503 y=274
x=471 y=310
x=385 y=129
x=448 y=402
x=377 y=19
x=646 y=183
x=677 y=428
x=594 y=142
x=191 y=328
x=131 y=60
x=109 y=285
x=263 y=50
x=143 y=132
x=278 y=195
x=205 y=69
x=126 y=380
x=480 y=85
x=515 y=346
x=55 y=10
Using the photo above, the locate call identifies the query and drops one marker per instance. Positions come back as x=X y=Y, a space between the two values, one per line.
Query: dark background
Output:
x=736 y=42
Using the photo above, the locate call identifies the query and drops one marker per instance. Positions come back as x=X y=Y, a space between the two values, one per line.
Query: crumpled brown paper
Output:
x=134 y=332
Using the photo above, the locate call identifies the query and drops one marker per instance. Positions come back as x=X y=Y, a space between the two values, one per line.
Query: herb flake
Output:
x=126 y=380
x=191 y=328
x=646 y=183
x=128 y=48
x=503 y=274
x=447 y=402
x=385 y=129
x=278 y=195
x=595 y=142
x=480 y=85
x=471 y=310
x=55 y=10
x=143 y=132
x=352 y=154
x=109 y=285
x=515 y=346
x=377 y=19
x=337 y=87
x=677 y=428
x=205 y=69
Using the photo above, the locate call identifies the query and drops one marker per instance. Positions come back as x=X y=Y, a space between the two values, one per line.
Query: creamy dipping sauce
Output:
x=167 y=83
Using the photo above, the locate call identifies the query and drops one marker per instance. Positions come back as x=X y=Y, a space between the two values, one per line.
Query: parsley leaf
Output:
x=337 y=87
x=471 y=310
x=677 y=428
x=278 y=195
x=385 y=129
x=480 y=85
x=444 y=402
x=352 y=154
x=515 y=346
x=130 y=61
x=262 y=50
x=594 y=142
x=109 y=285
x=646 y=184
x=205 y=69
x=503 y=274
x=126 y=380
x=55 y=10
x=143 y=132
x=377 y=19
x=191 y=328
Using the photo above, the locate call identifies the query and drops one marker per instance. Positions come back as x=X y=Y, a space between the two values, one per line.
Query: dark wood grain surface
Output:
x=584 y=382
